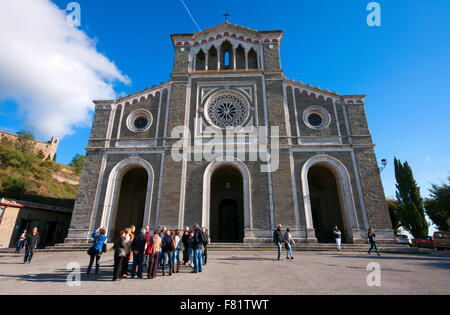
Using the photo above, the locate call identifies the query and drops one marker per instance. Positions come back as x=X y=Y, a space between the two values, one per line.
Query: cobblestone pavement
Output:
x=237 y=273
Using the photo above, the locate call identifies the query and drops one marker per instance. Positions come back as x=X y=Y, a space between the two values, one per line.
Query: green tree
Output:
x=26 y=134
x=411 y=212
x=78 y=162
x=394 y=213
x=26 y=141
x=54 y=157
x=12 y=187
x=438 y=206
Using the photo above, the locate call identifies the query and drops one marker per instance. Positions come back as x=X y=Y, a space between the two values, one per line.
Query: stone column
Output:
x=219 y=56
x=246 y=60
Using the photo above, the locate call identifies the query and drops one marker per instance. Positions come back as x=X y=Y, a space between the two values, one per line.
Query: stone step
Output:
x=400 y=248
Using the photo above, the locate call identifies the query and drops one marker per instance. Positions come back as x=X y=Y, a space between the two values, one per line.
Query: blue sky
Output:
x=402 y=66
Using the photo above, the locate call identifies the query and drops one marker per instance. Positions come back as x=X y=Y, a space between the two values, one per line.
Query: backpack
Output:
x=201 y=237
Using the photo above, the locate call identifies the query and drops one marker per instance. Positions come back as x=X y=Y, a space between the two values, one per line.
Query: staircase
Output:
x=386 y=248
x=391 y=248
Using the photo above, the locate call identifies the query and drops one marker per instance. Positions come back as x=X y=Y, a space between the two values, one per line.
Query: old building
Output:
x=48 y=148
x=230 y=78
x=18 y=215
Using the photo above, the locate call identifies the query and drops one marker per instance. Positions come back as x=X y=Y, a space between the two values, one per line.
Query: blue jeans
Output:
x=19 y=245
x=279 y=250
x=137 y=261
x=289 y=251
x=198 y=260
x=373 y=245
x=191 y=256
x=176 y=257
x=169 y=255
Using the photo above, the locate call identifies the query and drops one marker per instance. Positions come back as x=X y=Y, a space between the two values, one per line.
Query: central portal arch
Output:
x=226 y=200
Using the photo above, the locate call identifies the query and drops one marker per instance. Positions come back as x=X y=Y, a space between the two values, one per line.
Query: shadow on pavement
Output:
x=431 y=261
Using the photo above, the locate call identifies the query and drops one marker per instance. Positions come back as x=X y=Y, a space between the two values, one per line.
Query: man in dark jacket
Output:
x=185 y=241
x=31 y=243
x=167 y=251
x=197 y=247
x=205 y=244
x=138 y=248
x=278 y=239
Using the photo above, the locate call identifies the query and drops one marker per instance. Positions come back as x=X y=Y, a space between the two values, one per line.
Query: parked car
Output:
x=423 y=241
x=441 y=240
x=404 y=239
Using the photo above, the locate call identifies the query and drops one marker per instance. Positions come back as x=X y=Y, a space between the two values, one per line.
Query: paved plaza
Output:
x=241 y=272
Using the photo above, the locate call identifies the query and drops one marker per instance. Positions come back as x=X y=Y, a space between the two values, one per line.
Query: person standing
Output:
x=191 y=249
x=278 y=239
x=147 y=235
x=205 y=245
x=288 y=241
x=95 y=252
x=138 y=249
x=153 y=249
x=337 y=236
x=31 y=243
x=163 y=235
x=176 y=253
x=197 y=244
x=185 y=241
x=120 y=254
x=373 y=243
x=21 y=241
x=128 y=238
x=167 y=247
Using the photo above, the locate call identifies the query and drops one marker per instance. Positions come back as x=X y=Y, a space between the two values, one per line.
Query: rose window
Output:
x=227 y=110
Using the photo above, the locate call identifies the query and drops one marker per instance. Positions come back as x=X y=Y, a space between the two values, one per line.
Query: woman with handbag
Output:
x=119 y=255
x=97 y=248
x=153 y=248
x=167 y=248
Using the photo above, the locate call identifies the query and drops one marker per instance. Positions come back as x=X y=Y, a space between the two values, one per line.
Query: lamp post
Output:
x=383 y=165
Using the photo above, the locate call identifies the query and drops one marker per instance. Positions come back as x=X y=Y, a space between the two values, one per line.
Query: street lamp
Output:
x=383 y=165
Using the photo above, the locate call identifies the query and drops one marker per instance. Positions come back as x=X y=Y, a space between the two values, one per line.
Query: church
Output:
x=323 y=170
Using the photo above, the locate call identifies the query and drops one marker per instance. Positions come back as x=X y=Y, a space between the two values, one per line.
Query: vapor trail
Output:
x=189 y=12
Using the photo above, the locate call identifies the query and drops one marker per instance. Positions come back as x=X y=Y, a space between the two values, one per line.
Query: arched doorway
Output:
x=326 y=208
x=227 y=205
x=132 y=200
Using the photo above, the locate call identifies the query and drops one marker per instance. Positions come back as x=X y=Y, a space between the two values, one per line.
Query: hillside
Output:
x=25 y=176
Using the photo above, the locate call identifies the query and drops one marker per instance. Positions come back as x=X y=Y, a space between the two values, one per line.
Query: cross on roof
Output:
x=226 y=15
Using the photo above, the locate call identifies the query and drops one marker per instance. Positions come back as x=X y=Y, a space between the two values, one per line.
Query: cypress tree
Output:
x=411 y=211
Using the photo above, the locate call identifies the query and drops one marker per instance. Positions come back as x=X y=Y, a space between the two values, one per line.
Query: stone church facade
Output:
x=230 y=78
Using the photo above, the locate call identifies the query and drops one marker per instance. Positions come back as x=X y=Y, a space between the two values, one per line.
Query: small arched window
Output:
x=226 y=55
x=200 y=61
x=212 y=58
x=240 y=57
x=252 y=59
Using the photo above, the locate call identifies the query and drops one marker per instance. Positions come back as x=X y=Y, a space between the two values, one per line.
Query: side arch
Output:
x=113 y=190
x=345 y=193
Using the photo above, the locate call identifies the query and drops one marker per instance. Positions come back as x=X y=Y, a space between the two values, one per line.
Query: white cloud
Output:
x=51 y=70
